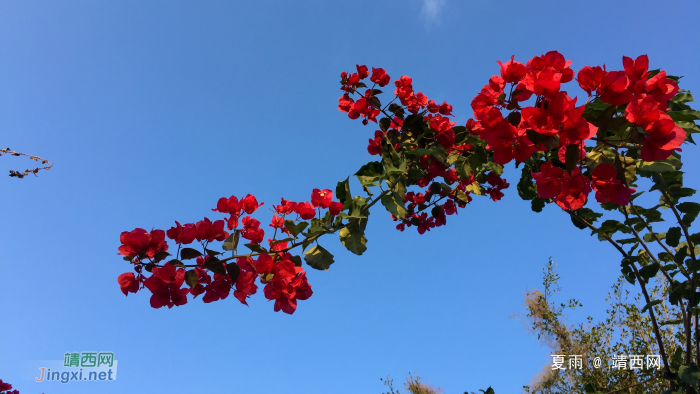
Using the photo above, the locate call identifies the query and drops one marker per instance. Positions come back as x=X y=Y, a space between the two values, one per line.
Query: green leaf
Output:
x=691 y=210
x=384 y=123
x=649 y=237
x=294 y=228
x=214 y=265
x=649 y=305
x=191 y=278
x=189 y=253
x=671 y=322
x=649 y=271
x=160 y=256
x=689 y=374
x=668 y=165
x=689 y=127
x=370 y=173
x=233 y=271
x=420 y=152
x=461 y=196
x=176 y=263
x=212 y=252
x=572 y=157
x=256 y=248
x=526 y=187
x=353 y=238
x=548 y=141
x=679 y=292
x=231 y=243
x=342 y=192
x=440 y=153
x=673 y=236
x=686 y=115
x=538 y=203
x=590 y=215
x=610 y=227
x=296 y=260
x=393 y=202
x=318 y=258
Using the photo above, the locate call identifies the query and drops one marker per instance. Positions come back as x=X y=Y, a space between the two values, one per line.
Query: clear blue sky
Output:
x=152 y=110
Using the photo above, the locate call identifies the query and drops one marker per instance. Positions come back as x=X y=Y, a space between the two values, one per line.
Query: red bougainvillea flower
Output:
x=608 y=187
x=512 y=71
x=165 y=285
x=546 y=73
x=345 y=103
x=182 y=234
x=432 y=107
x=591 y=78
x=251 y=230
x=497 y=184
x=128 y=283
x=141 y=242
x=249 y=204
x=375 y=144
x=643 y=110
x=614 y=88
x=218 y=289
x=664 y=137
x=7 y=387
x=287 y=285
x=321 y=198
x=380 y=77
x=446 y=109
x=277 y=222
x=286 y=207
x=661 y=88
x=636 y=71
x=574 y=190
x=474 y=127
x=362 y=71
x=206 y=230
x=509 y=143
x=228 y=205
x=335 y=207
x=305 y=210
x=548 y=180
x=444 y=134
x=245 y=285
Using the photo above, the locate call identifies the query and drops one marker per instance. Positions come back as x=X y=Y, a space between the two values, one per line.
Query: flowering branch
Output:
x=22 y=174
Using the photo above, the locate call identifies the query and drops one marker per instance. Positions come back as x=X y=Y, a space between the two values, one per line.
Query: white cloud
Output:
x=431 y=10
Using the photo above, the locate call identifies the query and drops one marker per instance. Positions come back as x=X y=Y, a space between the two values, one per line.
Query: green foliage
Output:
x=625 y=330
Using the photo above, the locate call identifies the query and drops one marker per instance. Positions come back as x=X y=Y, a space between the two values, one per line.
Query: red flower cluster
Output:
x=203 y=230
x=6 y=387
x=235 y=208
x=608 y=187
x=165 y=285
x=363 y=106
x=554 y=113
x=140 y=242
x=319 y=199
x=497 y=184
x=556 y=118
x=284 y=282
x=569 y=190
x=646 y=97
x=215 y=290
x=417 y=202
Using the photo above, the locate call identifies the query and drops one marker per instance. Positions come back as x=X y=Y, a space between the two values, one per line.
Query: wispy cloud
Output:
x=431 y=10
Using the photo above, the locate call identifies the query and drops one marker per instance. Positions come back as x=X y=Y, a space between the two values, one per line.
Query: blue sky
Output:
x=152 y=110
